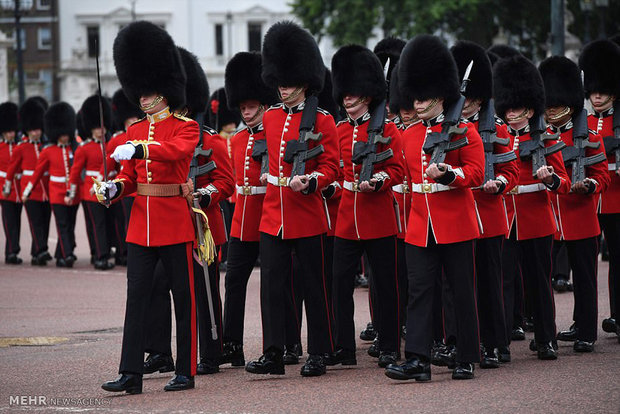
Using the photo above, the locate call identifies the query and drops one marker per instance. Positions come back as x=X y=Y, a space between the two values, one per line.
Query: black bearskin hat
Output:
x=427 y=70
x=31 y=114
x=357 y=71
x=291 y=57
x=481 y=76
x=42 y=101
x=497 y=52
x=219 y=114
x=389 y=48
x=243 y=81
x=197 y=87
x=517 y=84
x=122 y=109
x=90 y=114
x=562 y=80
x=397 y=100
x=8 y=117
x=326 y=98
x=60 y=120
x=600 y=62
x=616 y=39
x=147 y=62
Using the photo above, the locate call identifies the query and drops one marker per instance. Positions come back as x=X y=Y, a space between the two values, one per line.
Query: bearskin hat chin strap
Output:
x=560 y=114
x=429 y=107
x=153 y=104
x=292 y=97
x=519 y=117
x=259 y=112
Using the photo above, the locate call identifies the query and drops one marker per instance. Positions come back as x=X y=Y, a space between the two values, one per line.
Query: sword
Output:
x=103 y=151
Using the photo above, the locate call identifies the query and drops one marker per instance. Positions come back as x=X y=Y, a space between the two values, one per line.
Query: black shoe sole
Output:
x=384 y=364
x=400 y=376
x=504 y=359
x=462 y=376
x=183 y=388
x=269 y=372
x=234 y=362
x=489 y=364
x=132 y=390
x=291 y=361
x=608 y=327
x=346 y=362
x=312 y=373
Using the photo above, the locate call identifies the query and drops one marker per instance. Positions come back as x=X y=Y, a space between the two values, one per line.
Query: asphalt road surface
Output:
x=69 y=322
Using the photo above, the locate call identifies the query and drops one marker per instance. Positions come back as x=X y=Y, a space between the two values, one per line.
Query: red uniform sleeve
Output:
x=470 y=171
x=15 y=164
x=42 y=166
x=183 y=143
x=221 y=178
x=556 y=161
x=508 y=170
x=128 y=178
x=393 y=166
x=327 y=165
x=79 y=161
x=598 y=172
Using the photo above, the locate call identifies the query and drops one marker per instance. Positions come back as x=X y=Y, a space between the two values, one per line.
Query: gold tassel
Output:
x=206 y=251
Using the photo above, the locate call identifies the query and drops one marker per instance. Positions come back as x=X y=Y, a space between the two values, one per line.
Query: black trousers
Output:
x=513 y=286
x=11 y=223
x=127 y=203
x=294 y=300
x=159 y=314
x=425 y=265
x=228 y=209
x=241 y=259
x=95 y=216
x=403 y=282
x=64 y=216
x=275 y=256
x=381 y=255
x=583 y=257
x=39 y=214
x=141 y=263
x=209 y=348
x=492 y=320
x=561 y=267
x=610 y=224
x=535 y=261
x=116 y=229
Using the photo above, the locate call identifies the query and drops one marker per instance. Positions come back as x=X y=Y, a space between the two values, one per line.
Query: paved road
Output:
x=83 y=309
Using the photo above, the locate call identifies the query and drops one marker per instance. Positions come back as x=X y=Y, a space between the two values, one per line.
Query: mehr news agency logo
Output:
x=45 y=401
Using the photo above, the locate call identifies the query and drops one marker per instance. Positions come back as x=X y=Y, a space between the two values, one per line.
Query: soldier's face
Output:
x=34 y=134
x=150 y=105
x=517 y=118
x=558 y=115
x=471 y=107
x=250 y=112
x=408 y=116
x=63 y=139
x=428 y=108
x=8 y=135
x=97 y=133
x=601 y=101
x=355 y=105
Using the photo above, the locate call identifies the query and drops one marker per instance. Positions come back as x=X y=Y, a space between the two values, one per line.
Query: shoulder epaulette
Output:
x=275 y=106
x=182 y=118
x=117 y=133
x=498 y=120
x=21 y=142
x=86 y=141
x=322 y=111
x=49 y=144
x=209 y=130
x=341 y=122
x=138 y=120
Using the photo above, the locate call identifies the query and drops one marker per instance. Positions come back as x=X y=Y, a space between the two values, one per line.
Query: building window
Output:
x=44 y=38
x=44 y=4
x=22 y=32
x=255 y=36
x=219 y=40
x=92 y=34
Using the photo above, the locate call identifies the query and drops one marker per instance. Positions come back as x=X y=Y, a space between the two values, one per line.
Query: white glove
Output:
x=100 y=187
x=123 y=152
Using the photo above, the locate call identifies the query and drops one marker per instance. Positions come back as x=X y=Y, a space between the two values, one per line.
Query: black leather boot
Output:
x=271 y=362
x=158 y=362
x=130 y=383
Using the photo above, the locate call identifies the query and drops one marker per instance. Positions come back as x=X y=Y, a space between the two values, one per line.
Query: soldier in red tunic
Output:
x=11 y=203
x=520 y=101
x=24 y=161
x=56 y=159
x=576 y=212
x=88 y=161
x=600 y=62
x=367 y=220
x=294 y=216
x=156 y=164
x=443 y=223
x=489 y=203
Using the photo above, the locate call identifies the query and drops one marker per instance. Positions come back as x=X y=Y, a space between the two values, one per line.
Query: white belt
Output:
x=278 y=181
x=611 y=167
x=529 y=188
x=251 y=190
x=429 y=188
x=28 y=172
x=92 y=173
x=58 y=179
x=2 y=174
x=348 y=185
x=401 y=189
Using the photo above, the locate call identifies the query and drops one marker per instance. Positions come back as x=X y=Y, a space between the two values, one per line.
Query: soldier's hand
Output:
x=104 y=190
x=545 y=174
x=263 y=179
x=299 y=183
x=123 y=152
x=68 y=200
x=6 y=188
x=436 y=171
x=618 y=172
x=491 y=186
x=367 y=186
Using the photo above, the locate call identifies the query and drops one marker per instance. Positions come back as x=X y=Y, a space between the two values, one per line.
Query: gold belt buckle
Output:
x=247 y=190
x=514 y=190
x=356 y=187
x=282 y=182
x=426 y=188
x=405 y=189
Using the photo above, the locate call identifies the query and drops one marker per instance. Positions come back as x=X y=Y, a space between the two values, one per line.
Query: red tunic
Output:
x=368 y=215
x=531 y=213
x=576 y=213
x=602 y=124
x=114 y=167
x=402 y=192
x=333 y=203
x=286 y=212
x=451 y=214
x=6 y=153
x=88 y=158
x=170 y=141
x=491 y=207
x=24 y=161
x=248 y=208
x=220 y=181
x=55 y=160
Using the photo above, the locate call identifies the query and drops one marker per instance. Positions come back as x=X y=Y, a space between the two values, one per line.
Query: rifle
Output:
x=535 y=149
x=487 y=130
x=106 y=201
x=612 y=143
x=575 y=155
x=206 y=247
x=259 y=153
x=438 y=143
x=365 y=153
x=297 y=152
